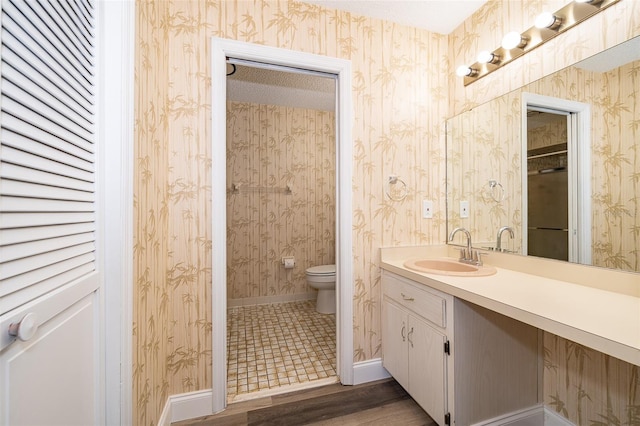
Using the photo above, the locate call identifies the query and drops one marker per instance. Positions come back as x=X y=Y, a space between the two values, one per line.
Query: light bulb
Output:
x=546 y=20
x=485 y=57
x=512 y=40
x=464 y=71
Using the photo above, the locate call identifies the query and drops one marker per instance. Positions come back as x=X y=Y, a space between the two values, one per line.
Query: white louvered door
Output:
x=49 y=285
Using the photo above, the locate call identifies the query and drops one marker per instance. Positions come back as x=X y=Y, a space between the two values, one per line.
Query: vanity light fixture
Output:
x=514 y=44
x=514 y=39
x=548 y=20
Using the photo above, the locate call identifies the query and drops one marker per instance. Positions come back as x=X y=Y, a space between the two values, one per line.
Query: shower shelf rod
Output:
x=237 y=189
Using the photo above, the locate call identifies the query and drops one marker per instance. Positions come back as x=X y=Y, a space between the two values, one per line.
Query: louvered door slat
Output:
x=82 y=42
x=33 y=33
x=47 y=147
x=24 y=174
x=41 y=144
x=35 y=233
x=32 y=118
x=48 y=94
x=15 y=188
x=25 y=220
x=25 y=265
x=67 y=40
x=32 y=249
x=50 y=116
x=18 y=204
x=43 y=280
x=41 y=162
x=30 y=62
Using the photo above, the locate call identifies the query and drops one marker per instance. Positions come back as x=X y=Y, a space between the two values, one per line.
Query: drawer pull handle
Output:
x=409 y=336
x=402 y=333
x=408 y=299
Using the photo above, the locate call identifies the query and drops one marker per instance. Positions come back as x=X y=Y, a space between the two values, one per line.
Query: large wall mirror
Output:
x=519 y=176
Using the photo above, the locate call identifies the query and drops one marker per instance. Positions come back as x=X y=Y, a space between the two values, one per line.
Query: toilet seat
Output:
x=321 y=270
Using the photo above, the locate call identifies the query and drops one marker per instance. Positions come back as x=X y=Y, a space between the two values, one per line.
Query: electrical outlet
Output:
x=427 y=209
x=464 y=209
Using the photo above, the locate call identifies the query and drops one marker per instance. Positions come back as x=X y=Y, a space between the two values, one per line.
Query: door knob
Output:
x=26 y=328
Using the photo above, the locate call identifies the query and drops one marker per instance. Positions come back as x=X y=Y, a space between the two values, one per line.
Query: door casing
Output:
x=222 y=49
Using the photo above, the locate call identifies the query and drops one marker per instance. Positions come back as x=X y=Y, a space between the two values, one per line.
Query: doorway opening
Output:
x=556 y=178
x=281 y=217
x=268 y=57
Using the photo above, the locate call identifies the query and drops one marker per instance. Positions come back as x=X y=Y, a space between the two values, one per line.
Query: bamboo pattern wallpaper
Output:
x=273 y=147
x=400 y=102
x=403 y=89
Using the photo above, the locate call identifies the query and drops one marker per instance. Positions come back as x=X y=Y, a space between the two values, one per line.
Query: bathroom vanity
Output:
x=468 y=349
x=456 y=358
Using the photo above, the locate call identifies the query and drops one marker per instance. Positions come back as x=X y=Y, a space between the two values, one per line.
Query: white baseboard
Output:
x=186 y=406
x=532 y=416
x=538 y=415
x=369 y=371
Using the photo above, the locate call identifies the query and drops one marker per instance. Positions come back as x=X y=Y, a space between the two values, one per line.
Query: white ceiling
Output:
x=439 y=16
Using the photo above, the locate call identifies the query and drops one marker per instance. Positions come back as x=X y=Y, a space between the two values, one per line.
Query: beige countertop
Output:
x=607 y=320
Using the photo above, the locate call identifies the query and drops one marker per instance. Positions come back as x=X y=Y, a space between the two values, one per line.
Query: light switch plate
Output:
x=464 y=209
x=427 y=209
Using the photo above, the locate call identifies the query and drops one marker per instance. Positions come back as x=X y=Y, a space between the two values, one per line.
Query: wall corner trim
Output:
x=369 y=371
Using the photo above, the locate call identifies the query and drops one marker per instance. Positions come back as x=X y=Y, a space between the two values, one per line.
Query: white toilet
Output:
x=323 y=278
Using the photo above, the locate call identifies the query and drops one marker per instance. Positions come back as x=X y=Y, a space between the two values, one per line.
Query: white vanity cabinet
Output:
x=461 y=363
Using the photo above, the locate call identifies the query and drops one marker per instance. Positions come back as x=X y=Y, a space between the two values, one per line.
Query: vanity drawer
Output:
x=428 y=305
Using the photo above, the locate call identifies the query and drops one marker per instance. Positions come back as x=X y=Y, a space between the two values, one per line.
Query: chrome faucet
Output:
x=499 y=236
x=465 y=255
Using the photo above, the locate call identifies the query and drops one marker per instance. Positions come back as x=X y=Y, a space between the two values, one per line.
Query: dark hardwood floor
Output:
x=377 y=403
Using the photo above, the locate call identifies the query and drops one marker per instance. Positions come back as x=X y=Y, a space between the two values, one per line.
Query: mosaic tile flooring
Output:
x=276 y=345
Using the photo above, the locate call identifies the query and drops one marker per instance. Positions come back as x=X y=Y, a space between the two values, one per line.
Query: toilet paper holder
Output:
x=288 y=262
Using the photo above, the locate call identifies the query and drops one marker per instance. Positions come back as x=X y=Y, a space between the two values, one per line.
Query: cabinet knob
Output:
x=402 y=332
x=26 y=328
x=409 y=336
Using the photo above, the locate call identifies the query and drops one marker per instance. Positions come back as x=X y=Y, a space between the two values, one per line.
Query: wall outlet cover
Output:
x=427 y=209
x=464 y=209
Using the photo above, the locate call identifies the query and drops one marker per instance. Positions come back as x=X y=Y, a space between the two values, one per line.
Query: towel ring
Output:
x=403 y=190
x=495 y=191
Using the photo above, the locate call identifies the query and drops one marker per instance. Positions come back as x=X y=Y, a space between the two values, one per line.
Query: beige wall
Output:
x=400 y=102
x=402 y=92
x=271 y=147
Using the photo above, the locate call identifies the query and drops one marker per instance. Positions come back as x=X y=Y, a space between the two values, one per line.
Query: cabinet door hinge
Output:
x=447 y=419
x=447 y=349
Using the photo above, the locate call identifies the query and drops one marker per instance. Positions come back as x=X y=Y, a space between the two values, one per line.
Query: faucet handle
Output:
x=480 y=254
x=463 y=253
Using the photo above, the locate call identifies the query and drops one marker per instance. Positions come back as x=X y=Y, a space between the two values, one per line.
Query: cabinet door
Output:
x=427 y=368
x=394 y=342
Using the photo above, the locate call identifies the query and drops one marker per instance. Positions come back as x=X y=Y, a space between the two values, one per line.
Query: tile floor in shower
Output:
x=276 y=345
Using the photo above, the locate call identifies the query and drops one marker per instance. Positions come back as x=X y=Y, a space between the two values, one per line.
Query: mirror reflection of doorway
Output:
x=553 y=117
x=547 y=183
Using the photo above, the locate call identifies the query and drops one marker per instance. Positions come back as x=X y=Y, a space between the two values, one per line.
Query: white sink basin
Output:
x=446 y=266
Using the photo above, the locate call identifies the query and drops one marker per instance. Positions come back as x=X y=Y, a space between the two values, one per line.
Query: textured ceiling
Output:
x=274 y=87
x=439 y=16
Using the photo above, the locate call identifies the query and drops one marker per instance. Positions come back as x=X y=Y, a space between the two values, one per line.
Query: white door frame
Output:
x=221 y=49
x=115 y=173
x=579 y=177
